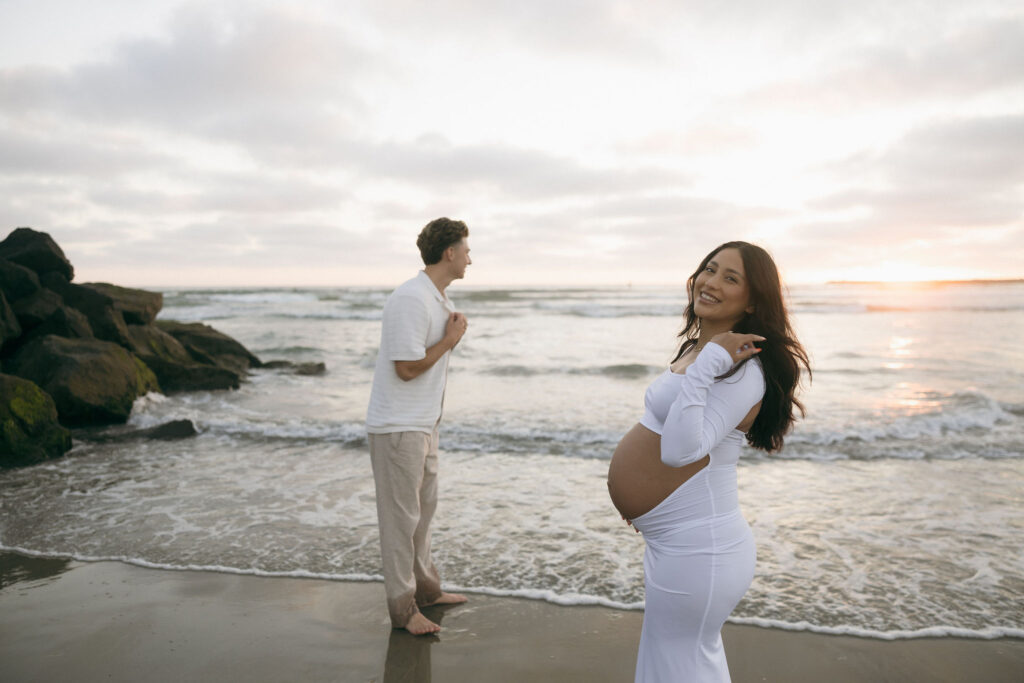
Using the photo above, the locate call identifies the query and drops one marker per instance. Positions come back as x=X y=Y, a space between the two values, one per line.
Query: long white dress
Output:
x=700 y=553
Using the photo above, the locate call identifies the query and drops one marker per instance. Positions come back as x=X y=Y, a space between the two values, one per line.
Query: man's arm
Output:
x=453 y=331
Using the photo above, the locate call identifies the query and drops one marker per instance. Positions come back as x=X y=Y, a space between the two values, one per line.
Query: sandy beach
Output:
x=68 y=620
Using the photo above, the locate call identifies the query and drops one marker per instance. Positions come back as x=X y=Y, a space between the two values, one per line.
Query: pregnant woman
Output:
x=673 y=475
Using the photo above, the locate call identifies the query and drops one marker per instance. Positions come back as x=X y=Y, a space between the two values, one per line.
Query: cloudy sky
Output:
x=584 y=141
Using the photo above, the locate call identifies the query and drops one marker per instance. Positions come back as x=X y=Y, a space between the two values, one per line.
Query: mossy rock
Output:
x=210 y=347
x=138 y=306
x=174 y=366
x=91 y=381
x=29 y=431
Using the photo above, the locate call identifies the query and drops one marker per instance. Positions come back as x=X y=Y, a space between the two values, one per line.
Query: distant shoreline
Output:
x=475 y=286
x=887 y=283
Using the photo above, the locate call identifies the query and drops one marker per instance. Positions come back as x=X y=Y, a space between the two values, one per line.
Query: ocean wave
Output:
x=363 y=304
x=988 y=633
x=597 y=310
x=242 y=296
x=958 y=426
x=513 y=371
x=545 y=595
x=286 y=350
x=366 y=313
x=927 y=440
x=961 y=412
x=493 y=295
x=621 y=370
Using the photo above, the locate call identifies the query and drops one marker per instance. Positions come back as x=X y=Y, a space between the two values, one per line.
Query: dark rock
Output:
x=17 y=281
x=168 y=431
x=310 y=369
x=10 y=328
x=296 y=368
x=64 y=322
x=36 y=251
x=55 y=282
x=138 y=306
x=29 y=431
x=91 y=381
x=106 y=321
x=148 y=341
x=44 y=313
x=193 y=377
x=207 y=345
x=174 y=367
x=37 y=307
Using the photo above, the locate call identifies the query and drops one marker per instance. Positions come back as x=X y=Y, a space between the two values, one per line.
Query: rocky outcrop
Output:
x=33 y=309
x=91 y=381
x=43 y=312
x=137 y=306
x=29 y=431
x=107 y=322
x=10 y=328
x=36 y=251
x=90 y=349
x=17 y=281
x=174 y=367
x=210 y=347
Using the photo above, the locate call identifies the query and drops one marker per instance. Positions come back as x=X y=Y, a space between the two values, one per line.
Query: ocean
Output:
x=895 y=510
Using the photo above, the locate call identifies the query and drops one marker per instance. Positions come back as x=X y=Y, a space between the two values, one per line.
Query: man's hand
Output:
x=455 y=328
x=453 y=331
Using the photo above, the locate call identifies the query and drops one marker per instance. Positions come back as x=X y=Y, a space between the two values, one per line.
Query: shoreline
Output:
x=67 y=619
x=990 y=633
x=534 y=595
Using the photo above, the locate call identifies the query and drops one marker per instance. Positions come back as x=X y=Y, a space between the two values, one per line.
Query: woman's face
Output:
x=720 y=291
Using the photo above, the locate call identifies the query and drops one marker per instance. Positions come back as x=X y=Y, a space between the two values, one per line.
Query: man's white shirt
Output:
x=415 y=317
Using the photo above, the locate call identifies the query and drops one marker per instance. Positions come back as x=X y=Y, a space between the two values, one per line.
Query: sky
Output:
x=228 y=143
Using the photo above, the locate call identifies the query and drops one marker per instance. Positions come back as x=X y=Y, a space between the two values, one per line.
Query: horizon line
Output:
x=585 y=285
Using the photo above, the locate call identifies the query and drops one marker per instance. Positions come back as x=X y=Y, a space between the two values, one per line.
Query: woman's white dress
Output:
x=700 y=553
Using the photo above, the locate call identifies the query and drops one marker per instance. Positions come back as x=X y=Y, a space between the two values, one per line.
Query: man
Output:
x=419 y=330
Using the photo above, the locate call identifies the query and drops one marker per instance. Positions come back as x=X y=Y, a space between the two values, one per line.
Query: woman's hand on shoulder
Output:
x=739 y=346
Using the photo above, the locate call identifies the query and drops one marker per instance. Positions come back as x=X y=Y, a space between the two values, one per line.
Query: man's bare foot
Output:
x=419 y=625
x=448 y=599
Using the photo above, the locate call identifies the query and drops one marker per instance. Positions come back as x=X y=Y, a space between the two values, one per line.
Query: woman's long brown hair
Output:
x=781 y=354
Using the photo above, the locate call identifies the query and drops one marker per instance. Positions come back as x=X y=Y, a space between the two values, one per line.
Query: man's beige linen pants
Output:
x=405 y=474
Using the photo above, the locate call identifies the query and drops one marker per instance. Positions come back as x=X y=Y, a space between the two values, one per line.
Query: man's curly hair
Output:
x=438 y=235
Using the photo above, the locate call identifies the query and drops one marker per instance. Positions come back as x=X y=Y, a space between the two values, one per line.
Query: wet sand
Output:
x=108 y=621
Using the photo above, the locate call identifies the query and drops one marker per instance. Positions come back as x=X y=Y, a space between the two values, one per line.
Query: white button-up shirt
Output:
x=415 y=317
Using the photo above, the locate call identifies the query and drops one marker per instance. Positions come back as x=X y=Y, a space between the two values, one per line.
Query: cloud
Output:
x=568 y=29
x=711 y=136
x=213 y=67
x=590 y=135
x=951 y=174
x=239 y=194
x=982 y=56
x=512 y=171
x=60 y=153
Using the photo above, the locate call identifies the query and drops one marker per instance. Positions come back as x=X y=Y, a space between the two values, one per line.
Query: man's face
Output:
x=460 y=258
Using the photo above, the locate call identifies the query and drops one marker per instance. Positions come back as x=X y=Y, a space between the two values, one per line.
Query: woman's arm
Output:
x=699 y=419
